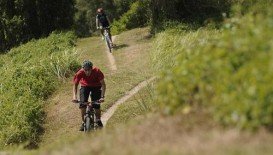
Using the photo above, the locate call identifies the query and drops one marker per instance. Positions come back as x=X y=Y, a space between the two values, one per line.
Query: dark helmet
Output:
x=87 y=64
x=100 y=10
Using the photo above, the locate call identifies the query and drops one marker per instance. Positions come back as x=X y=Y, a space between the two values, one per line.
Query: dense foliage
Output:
x=196 y=11
x=29 y=74
x=157 y=13
x=136 y=16
x=22 y=20
x=228 y=72
x=87 y=10
x=26 y=19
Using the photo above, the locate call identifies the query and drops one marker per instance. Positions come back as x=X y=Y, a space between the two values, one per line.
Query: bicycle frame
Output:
x=106 y=32
x=89 y=116
x=107 y=38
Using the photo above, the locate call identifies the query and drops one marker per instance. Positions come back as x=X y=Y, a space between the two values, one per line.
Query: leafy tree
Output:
x=86 y=13
x=22 y=20
x=186 y=10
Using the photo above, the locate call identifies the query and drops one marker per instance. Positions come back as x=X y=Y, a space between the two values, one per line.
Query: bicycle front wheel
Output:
x=87 y=126
x=107 y=39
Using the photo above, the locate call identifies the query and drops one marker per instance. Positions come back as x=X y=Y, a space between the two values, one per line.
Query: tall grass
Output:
x=29 y=75
x=228 y=72
x=139 y=105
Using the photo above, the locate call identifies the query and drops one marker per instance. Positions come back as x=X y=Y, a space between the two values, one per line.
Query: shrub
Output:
x=137 y=16
x=229 y=73
x=29 y=75
x=196 y=11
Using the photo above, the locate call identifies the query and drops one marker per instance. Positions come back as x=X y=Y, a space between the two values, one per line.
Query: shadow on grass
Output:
x=34 y=143
x=120 y=46
x=148 y=37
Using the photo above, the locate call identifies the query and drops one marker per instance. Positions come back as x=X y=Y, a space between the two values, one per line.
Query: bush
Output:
x=29 y=75
x=137 y=16
x=190 y=11
x=229 y=73
x=21 y=21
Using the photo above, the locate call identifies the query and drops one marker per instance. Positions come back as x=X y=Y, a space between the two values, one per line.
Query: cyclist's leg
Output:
x=106 y=26
x=110 y=35
x=95 y=96
x=84 y=94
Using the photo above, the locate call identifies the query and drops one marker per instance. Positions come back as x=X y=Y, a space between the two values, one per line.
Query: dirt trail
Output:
x=111 y=58
x=106 y=116
x=63 y=117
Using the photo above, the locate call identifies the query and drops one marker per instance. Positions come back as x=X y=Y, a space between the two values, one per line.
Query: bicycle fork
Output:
x=89 y=120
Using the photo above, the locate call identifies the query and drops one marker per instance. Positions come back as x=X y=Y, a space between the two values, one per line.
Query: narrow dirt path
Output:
x=111 y=57
x=63 y=117
x=106 y=116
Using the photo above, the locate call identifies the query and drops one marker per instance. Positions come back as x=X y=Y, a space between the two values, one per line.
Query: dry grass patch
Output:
x=156 y=134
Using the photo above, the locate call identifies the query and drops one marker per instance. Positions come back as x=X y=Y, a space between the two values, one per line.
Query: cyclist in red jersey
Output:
x=92 y=84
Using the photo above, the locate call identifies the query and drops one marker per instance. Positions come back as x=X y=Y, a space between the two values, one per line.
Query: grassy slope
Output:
x=137 y=107
x=32 y=69
x=155 y=134
x=63 y=117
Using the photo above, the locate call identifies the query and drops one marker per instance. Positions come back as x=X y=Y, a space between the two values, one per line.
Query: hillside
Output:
x=193 y=82
x=137 y=124
x=63 y=116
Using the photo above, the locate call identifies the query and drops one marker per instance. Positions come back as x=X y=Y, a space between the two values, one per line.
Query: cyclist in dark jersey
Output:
x=103 y=21
x=92 y=84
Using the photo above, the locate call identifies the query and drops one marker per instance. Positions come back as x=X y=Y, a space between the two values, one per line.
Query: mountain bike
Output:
x=107 y=38
x=90 y=117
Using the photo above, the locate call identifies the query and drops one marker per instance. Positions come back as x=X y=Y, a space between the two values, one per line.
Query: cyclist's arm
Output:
x=103 y=88
x=75 y=91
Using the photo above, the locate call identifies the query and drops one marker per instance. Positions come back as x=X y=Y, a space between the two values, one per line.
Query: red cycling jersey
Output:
x=93 y=80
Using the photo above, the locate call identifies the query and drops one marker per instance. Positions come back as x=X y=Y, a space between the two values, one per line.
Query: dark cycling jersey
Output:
x=102 y=18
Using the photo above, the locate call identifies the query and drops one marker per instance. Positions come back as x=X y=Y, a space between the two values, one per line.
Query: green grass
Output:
x=133 y=129
x=130 y=63
x=135 y=108
x=133 y=65
x=136 y=16
x=29 y=75
x=194 y=68
x=64 y=117
x=228 y=72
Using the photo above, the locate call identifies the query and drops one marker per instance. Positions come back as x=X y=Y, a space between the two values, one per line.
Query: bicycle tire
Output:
x=94 y=125
x=87 y=126
x=107 y=39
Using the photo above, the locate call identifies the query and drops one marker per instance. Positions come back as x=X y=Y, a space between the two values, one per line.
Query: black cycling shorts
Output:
x=93 y=92
x=106 y=24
